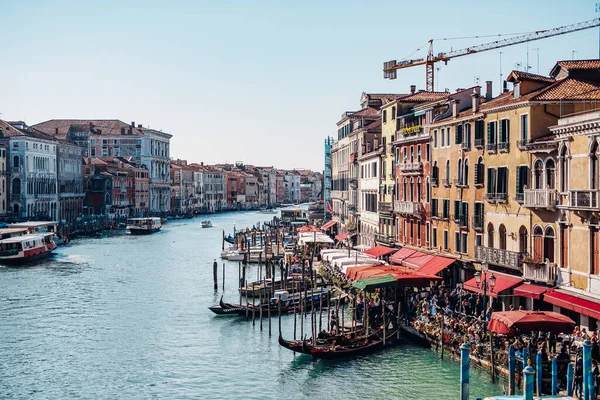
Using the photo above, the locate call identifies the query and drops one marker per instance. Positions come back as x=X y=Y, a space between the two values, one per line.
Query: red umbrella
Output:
x=507 y=322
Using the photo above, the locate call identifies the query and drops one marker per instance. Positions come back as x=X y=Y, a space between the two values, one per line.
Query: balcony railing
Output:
x=478 y=142
x=434 y=181
x=460 y=183
x=583 y=199
x=411 y=167
x=503 y=258
x=496 y=197
x=465 y=145
x=522 y=144
x=411 y=134
x=477 y=221
x=411 y=130
x=519 y=198
x=16 y=197
x=503 y=146
x=446 y=182
x=407 y=207
x=384 y=238
x=385 y=207
x=491 y=147
x=461 y=220
x=540 y=198
x=540 y=272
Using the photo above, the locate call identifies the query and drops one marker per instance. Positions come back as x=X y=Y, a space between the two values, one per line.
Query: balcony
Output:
x=522 y=144
x=446 y=182
x=461 y=220
x=434 y=181
x=411 y=134
x=583 y=199
x=411 y=168
x=503 y=147
x=16 y=170
x=479 y=142
x=491 y=147
x=15 y=197
x=385 y=207
x=503 y=258
x=540 y=272
x=496 y=197
x=465 y=146
x=407 y=207
x=478 y=222
x=353 y=183
x=540 y=198
x=384 y=239
x=459 y=183
x=519 y=198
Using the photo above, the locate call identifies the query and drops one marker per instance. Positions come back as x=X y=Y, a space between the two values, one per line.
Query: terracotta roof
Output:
x=526 y=76
x=575 y=65
x=375 y=124
x=570 y=89
x=385 y=96
x=424 y=97
x=9 y=131
x=365 y=112
x=102 y=126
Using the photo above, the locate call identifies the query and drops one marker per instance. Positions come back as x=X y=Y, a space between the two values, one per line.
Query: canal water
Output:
x=126 y=317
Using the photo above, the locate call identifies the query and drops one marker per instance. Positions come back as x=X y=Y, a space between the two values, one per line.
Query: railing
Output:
x=503 y=258
x=479 y=142
x=496 y=197
x=540 y=198
x=385 y=207
x=15 y=170
x=404 y=137
x=519 y=198
x=384 y=238
x=491 y=147
x=434 y=181
x=583 y=198
x=446 y=182
x=411 y=167
x=411 y=130
x=477 y=221
x=540 y=272
x=465 y=145
x=522 y=144
x=459 y=183
x=16 y=197
x=407 y=207
x=503 y=146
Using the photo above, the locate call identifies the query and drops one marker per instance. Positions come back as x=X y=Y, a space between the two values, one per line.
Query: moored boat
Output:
x=143 y=226
x=26 y=248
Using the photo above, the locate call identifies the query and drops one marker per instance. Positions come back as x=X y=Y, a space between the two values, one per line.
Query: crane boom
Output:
x=390 y=67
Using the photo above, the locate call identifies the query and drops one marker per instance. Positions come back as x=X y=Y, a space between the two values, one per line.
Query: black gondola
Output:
x=226 y=308
x=229 y=239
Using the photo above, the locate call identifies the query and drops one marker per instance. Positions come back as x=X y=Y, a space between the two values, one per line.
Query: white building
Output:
x=156 y=157
x=291 y=181
x=369 y=180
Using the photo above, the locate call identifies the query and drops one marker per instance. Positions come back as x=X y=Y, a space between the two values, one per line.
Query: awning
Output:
x=531 y=291
x=573 y=302
x=368 y=284
x=503 y=282
x=435 y=265
x=341 y=237
x=522 y=321
x=410 y=258
x=379 y=251
x=328 y=225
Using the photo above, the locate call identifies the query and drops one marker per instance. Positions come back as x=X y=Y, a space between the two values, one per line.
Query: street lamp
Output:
x=487 y=283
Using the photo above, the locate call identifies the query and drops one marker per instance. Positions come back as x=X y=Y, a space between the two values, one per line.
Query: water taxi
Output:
x=143 y=226
x=25 y=248
x=206 y=224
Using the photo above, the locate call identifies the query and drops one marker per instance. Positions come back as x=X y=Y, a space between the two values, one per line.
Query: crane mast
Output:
x=390 y=67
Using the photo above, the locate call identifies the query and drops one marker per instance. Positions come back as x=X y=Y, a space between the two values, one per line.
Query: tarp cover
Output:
x=436 y=265
x=573 y=302
x=375 y=282
x=379 y=251
x=531 y=291
x=410 y=258
x=507 y=322
x=503 y=282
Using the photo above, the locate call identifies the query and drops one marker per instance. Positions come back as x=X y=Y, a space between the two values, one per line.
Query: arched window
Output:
x=502 y=237
x=435 y=173
x=412 y=154
x=564 y=170
x=538 y=241
x=490 y=234
x=550 y=174
x=538 y=170
x=419 y=153
x=448 y=170
x=16 y=161
x=419 y=189
x=479 y=171
x=16 y=186
x=412 y=189
x=594 y=166
x=549 y=244
x=459 y=172
x=405 y=189
x=522 y=239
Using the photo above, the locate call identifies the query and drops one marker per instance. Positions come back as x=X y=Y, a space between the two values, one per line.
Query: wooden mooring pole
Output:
x=215 y=266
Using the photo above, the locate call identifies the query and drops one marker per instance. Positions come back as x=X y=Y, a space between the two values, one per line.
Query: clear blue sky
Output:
x=259 y=81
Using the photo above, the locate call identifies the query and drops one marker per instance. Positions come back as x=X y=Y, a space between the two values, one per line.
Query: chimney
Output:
x=454 y=104
x=133 y=124
x=475 y=101
x=413 y=89
x=504 y=87
x=488 y=90
x=129 y=131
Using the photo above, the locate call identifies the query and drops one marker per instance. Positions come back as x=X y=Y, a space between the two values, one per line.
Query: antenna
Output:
x=537 y=50
x=500 y=72
x=476 y=80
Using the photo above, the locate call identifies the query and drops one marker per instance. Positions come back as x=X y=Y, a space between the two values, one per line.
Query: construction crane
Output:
x=390 y=67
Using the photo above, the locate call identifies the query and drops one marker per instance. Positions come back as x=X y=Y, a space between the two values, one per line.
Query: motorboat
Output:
x=143 y=226
x=206 y=224
x=26 y=248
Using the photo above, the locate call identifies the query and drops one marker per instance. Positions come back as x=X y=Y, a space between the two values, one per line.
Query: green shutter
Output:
x=458 y=134
x=489 y=132
x=507 y=133
x=519 y=190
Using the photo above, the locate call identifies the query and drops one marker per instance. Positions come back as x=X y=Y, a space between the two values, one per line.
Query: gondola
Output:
x=366 y=346
x=227 y=308
x=229 y=239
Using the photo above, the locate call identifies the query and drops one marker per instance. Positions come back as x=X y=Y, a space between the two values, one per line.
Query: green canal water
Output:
x=126 y=317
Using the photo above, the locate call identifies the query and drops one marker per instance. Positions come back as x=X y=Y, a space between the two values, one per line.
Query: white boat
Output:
x=25 y=248
x=236 y=256
x=268 y=211
x=143 y=226
x=206 y=224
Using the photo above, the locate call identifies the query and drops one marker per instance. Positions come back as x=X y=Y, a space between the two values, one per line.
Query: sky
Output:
x=262 y=82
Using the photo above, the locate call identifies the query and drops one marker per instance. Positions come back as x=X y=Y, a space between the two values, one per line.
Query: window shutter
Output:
x=507 y=133
x=456 y=209
x=489 y=132
x=519 y=190
x=458 y=134
x=525 y=178
x=501 y=130
x=490 y=180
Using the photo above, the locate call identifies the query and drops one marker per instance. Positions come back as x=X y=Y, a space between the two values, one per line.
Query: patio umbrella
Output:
x=506 y=322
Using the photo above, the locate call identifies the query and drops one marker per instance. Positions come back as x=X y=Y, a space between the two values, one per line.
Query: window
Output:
x=427 y=152
x=446 y=209
x=418 y=153
x=384 y=116
x=479 y=239
x=490 y=234
x=448 y=137
x=538 y=240
x=467 y=135
x=522 y=178
x=434 y=208
x=465 y=175
x=538 y=169
x=435 y=174
x=448 y=170
x=435 y=138
x=524 y=128
x=478 y=216
x=479 y=168
x=445 y=240
x=393 y=113
x=479 y=125
x=458 y=133
x=457 y=241
x=491 y=135
x=443 y=131
x=427 y=233
x=504 y=134
x=456 y=210
x=427 y=190
x=564 y=169
x=550 y=174
x=522 y=239
x=412 y=154
x=434 y=234
x=502 y=237
x=549 y=244
x=463 y=242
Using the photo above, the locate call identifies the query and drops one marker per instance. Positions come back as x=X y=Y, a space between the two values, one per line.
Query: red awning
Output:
x=406 y=278
x=435 y=265
x=341 y=237
x=531 y=291
x=379 y=251
x=328 y=225
x=503 y=282
x=410 y=258
x=573 y=302
x=509 y=322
